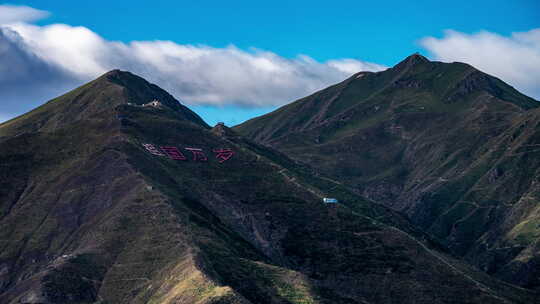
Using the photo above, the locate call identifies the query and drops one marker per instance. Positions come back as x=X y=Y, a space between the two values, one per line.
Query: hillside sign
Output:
x=172 y=152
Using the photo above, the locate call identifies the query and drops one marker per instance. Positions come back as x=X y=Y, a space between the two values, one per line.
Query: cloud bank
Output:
x=13 y=13
x=25 y=78
x=44 y=61
x=40 y=62
x=514 y=59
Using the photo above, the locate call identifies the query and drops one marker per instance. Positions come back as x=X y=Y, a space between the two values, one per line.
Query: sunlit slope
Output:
x=452 y=147
x=89 y=215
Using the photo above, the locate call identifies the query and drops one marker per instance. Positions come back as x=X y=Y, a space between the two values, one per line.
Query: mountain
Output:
x=98 y=97
x=117 y=193
x=453 y=148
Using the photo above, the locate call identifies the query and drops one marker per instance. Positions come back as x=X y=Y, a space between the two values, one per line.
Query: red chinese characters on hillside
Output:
x=223 y=154
x=197 y=154
x=150 y=148
x=173 y=152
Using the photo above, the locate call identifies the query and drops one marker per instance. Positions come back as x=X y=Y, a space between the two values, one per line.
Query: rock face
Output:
x=91 y=215
x=453 y=148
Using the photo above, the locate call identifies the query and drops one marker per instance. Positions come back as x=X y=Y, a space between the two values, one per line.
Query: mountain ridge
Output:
x=93 y=216
x=397 y=77
x=418 y=137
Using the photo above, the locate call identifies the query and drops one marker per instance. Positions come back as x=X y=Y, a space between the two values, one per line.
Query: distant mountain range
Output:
x=108 y=197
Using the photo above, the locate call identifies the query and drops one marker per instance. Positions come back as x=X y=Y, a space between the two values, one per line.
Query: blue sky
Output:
x=376 y=31
x=369 y=32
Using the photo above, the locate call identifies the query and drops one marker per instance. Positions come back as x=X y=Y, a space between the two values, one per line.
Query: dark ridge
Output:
x=221 y=130
x=139 y=91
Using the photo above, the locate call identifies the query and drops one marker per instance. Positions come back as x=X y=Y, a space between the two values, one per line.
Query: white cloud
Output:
x=41 y=61
x=13 y=13
x=25 y=79
x=515 y=59
x=352 y=66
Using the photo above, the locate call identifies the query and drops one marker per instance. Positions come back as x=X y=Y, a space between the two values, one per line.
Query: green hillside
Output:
x=451 y=147
x=88 y=215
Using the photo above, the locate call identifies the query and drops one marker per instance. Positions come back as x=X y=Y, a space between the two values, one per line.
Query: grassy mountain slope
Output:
x=450 y=146
x=89 y=216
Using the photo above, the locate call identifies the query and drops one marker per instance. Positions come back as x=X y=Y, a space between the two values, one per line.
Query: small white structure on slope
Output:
x=154 y=103
x=329 y=200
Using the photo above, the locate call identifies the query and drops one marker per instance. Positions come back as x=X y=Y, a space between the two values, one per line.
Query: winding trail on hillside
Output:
x=480 y=285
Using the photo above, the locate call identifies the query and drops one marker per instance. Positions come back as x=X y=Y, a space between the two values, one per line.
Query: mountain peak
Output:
x=412 y=60
x=100 y=98
x=113 y=74
x=416 y=58
x=119 y=75
x=136 y=90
